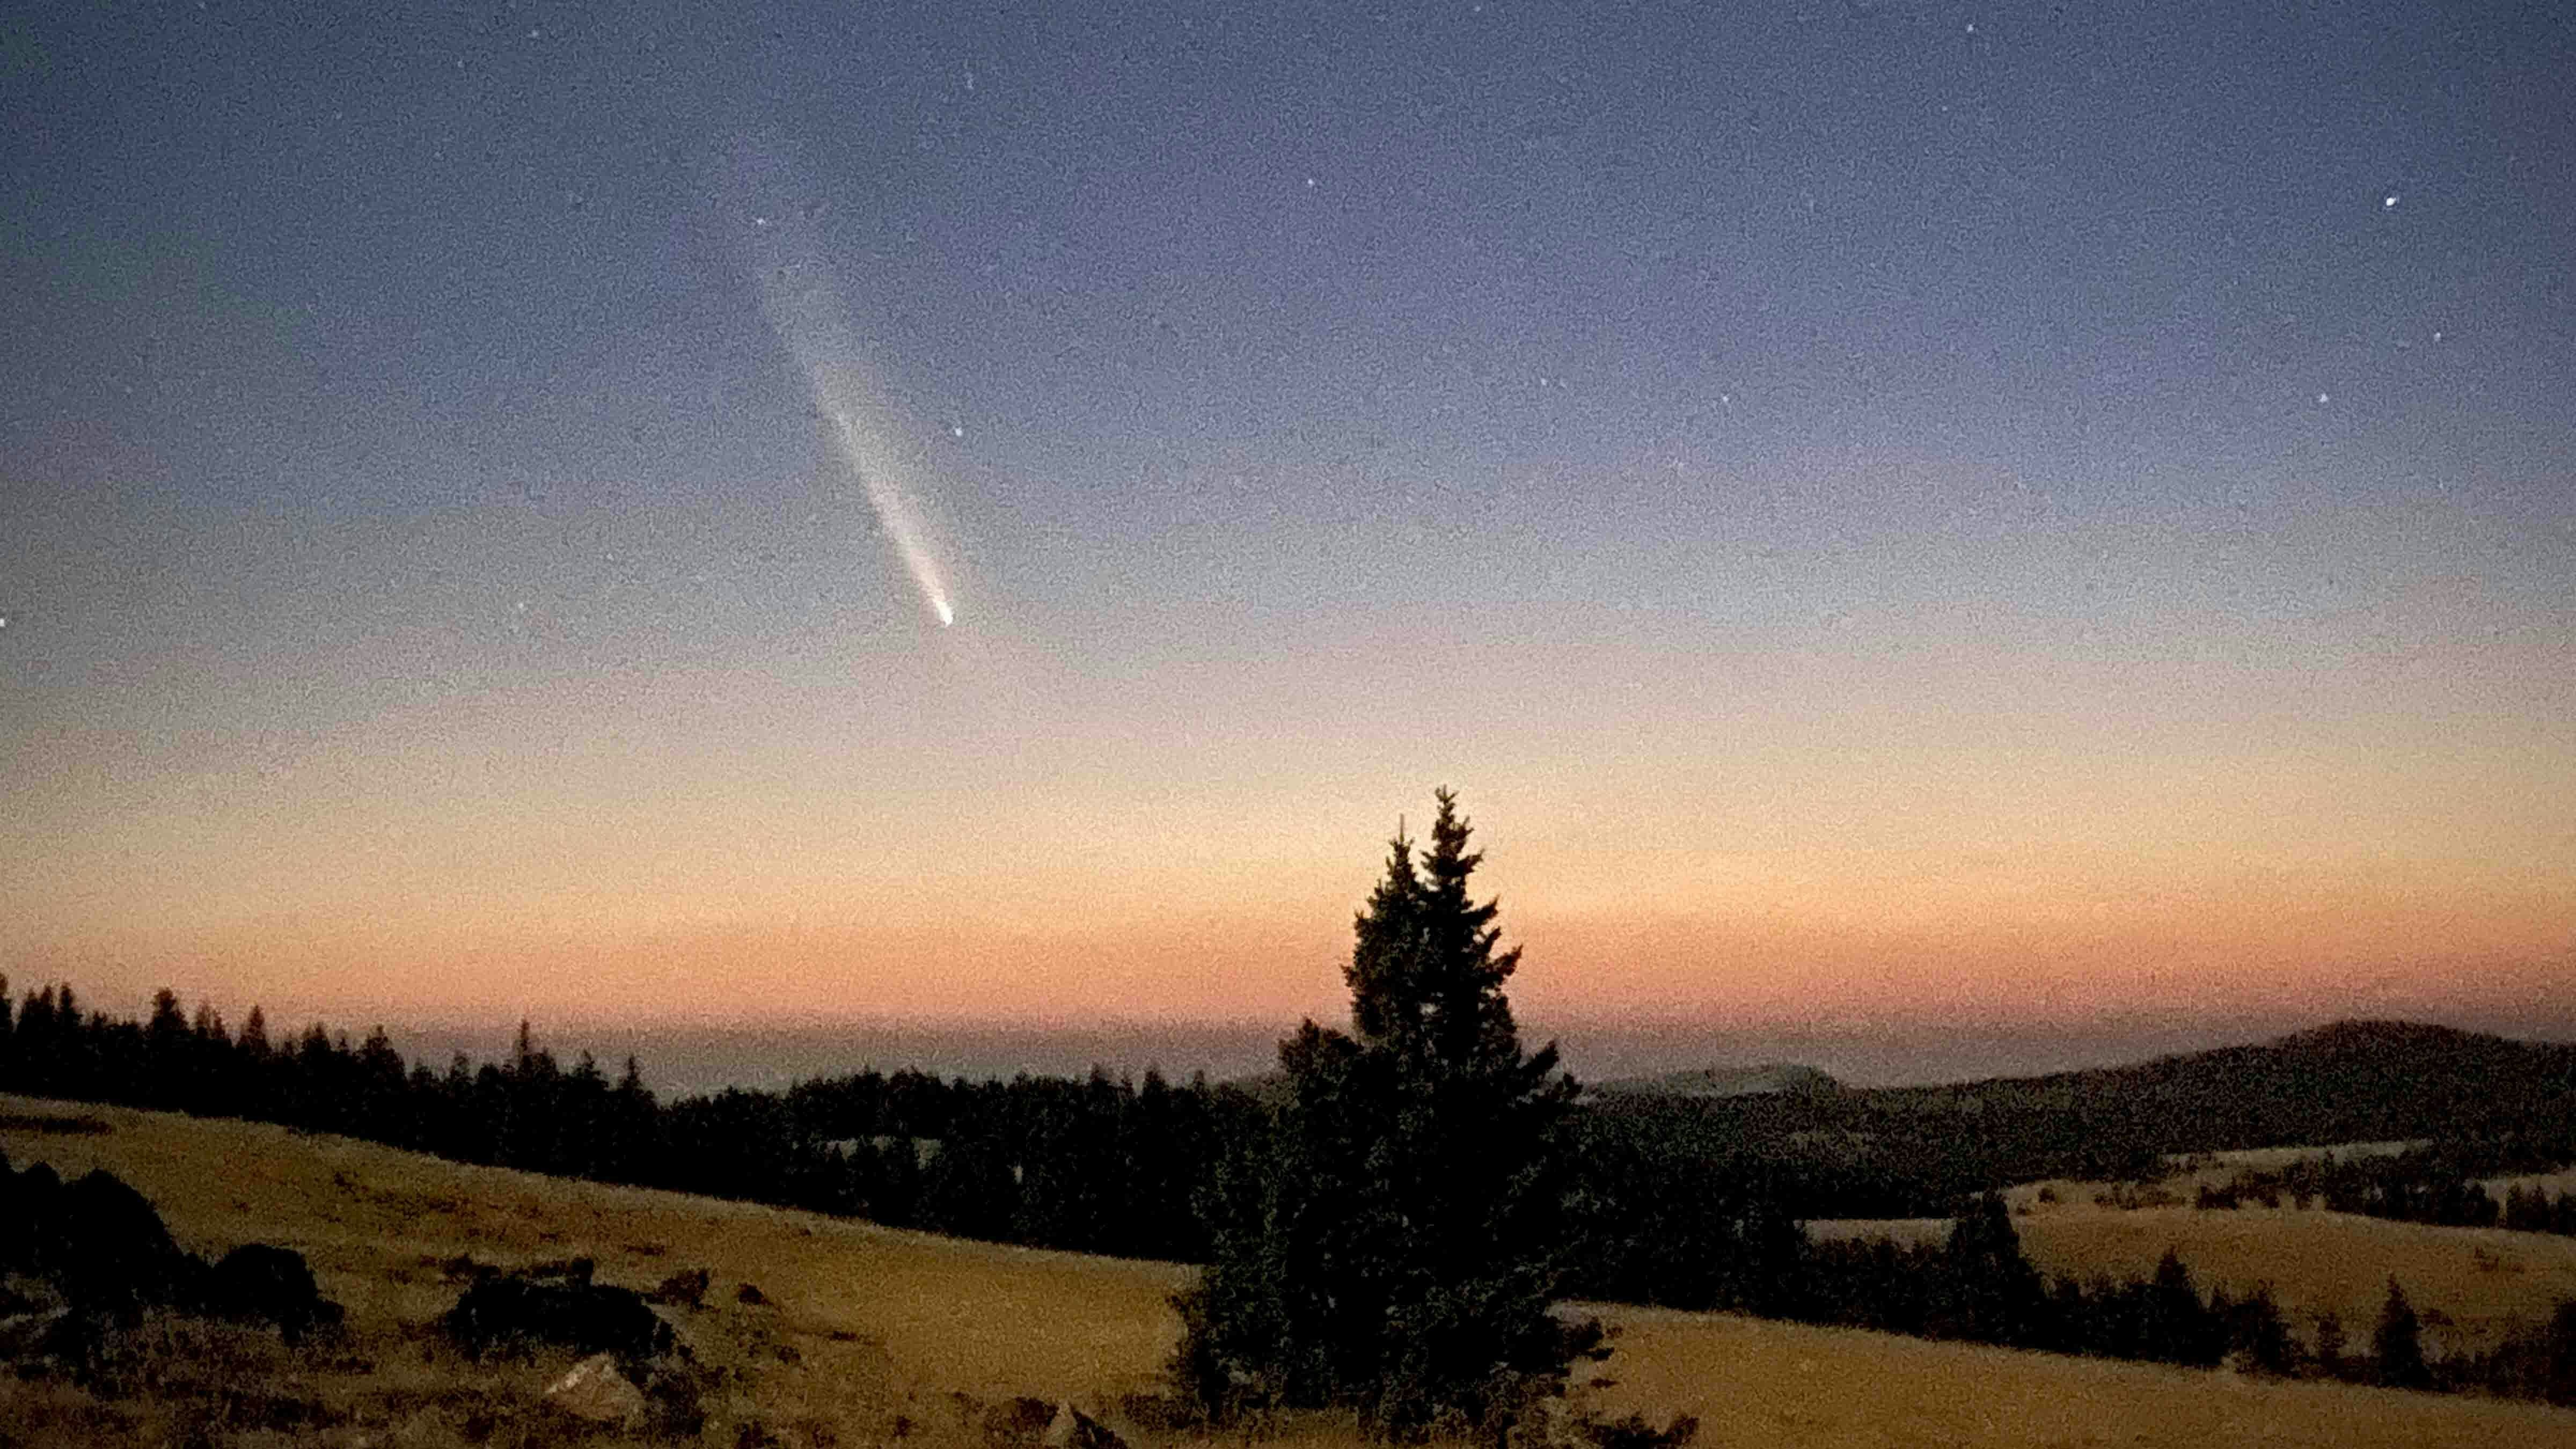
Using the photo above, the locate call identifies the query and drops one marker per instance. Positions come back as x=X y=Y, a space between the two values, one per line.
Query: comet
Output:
x=894 y=511
x=803 y=302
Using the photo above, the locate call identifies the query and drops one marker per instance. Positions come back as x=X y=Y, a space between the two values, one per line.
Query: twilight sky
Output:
x=1892 y=514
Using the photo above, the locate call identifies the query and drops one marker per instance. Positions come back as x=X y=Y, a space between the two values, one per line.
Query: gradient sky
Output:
x=1892 y=514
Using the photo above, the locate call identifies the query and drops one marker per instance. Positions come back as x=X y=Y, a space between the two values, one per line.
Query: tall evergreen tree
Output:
x=2258 y=1334
x=1988 y=1292
x=167 y=1059
x=2399 y=1343
x=1394 y=1245
x=2178 y=1326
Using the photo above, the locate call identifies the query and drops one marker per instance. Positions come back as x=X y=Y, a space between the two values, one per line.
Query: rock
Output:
x=107 y=1247
x=683 y=1289
x=28 y=1208
x=269 y=1284
x=1074 y=1429
x=99 y=1248
x=595 y=1390
x=593 y=1317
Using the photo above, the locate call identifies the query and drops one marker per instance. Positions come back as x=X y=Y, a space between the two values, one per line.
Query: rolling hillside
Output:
x=1910 y=1151
x=870 y=1335
x=2350 y=1081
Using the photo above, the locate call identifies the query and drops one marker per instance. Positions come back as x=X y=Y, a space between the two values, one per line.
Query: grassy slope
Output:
x=2484 y=1280
x=973 y=1316
x=880 y=1323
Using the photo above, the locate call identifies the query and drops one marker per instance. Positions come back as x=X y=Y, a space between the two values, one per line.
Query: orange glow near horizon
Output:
x=1919 y=954
x=1956 y=812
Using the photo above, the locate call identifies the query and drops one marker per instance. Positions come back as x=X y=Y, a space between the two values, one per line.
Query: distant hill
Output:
x=1787 y=1077
x=1911 y=1151
x=2348 y=1081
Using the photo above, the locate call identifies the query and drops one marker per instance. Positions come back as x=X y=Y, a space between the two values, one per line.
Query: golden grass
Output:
x=868 y=1330
x=1758 y=1384
x=375 y=1222
x=2479 y=1281
x=876 y=1336
x=2483 y=1280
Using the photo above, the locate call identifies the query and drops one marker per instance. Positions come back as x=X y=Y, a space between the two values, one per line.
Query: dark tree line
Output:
x=1101 y=1165
x=2437 y=1184
x=1977 y=1286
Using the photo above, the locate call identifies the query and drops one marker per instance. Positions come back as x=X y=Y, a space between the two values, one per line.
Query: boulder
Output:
x=597 y=1391
x=263 y=1283
x=98 y=1248
x=592 y=1317
x=30 y=1206
x=108 y=1249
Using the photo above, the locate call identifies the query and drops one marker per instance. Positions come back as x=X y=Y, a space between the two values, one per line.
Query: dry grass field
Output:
x=872 y=1336
x=2479 y=1281
x=1753 y=1383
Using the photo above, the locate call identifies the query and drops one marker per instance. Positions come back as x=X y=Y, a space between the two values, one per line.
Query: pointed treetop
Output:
x=1425 y=975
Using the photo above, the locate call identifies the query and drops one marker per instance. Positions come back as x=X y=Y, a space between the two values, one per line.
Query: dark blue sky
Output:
x=1302 y=403
x=1369 y=242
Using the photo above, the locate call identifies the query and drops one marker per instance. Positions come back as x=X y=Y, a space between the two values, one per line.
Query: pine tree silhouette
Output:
x=2399 y=1343
x=1395 y=1244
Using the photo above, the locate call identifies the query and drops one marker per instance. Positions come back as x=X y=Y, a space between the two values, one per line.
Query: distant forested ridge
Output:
x=1095 y=1165
x=1692 y=1202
